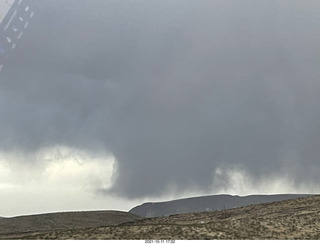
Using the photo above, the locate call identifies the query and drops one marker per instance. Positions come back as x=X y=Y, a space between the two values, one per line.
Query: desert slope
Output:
x=206 y=203
x=289 y=219
x=63 y=221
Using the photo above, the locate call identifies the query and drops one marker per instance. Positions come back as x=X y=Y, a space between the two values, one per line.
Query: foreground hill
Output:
x=289 y=219
x=206 y=203
x=62 y=221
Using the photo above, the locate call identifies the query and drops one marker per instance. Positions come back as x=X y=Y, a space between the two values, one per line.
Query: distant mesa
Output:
x=206 y=203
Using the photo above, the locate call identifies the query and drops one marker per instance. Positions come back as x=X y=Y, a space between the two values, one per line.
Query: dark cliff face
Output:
x=206 y=203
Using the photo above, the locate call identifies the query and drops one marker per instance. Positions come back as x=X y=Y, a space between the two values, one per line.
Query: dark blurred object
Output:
x=15 y=17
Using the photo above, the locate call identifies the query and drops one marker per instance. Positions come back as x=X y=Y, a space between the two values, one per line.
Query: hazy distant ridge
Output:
x=206 y=203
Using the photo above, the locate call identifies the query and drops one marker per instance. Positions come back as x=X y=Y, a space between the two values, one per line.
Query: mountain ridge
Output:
x=206 y=203
x=282 y=220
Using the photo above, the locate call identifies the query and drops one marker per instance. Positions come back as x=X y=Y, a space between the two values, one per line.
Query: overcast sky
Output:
x=107 y=104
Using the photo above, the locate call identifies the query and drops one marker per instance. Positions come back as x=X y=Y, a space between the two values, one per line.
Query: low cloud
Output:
x=54 y=179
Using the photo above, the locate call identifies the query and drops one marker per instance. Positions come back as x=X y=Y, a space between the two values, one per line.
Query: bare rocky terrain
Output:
x=289 y=219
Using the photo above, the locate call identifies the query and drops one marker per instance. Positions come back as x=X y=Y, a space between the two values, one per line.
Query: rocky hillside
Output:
x=205 y=203
x=63 y=221
x=290 y=219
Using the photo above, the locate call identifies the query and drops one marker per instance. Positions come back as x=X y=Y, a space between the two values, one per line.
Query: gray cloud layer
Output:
x=174 y=89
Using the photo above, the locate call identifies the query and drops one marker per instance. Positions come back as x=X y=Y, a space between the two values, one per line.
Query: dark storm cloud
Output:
x=174 y=89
